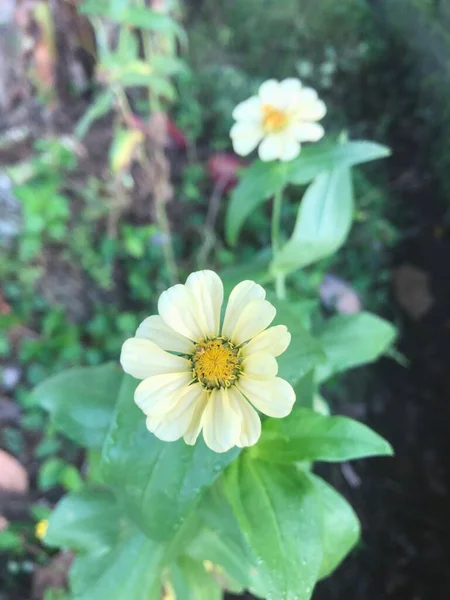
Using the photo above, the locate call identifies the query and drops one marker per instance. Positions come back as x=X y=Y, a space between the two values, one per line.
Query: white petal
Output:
x=273 y=146
x=250 y=421
x=207 y=291
x=192 y=432
x=174 y=424
x=291 y=86
x=310 y=108
x=158 y=395
x=221 y=424
x=142 y=358
x=245 y=136
x=291 y=150
x=249 y=110
x=309 y=132
x=270 y=93
x=274 y=340
x=153 y=328
x=273 y=397
x=260 y=365
x=240 y=296
x=256 y=316
x=291 y=91
x=178 y=310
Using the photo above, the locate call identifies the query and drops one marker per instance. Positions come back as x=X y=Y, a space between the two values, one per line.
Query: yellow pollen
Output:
x=274 y=120
x=216 y=363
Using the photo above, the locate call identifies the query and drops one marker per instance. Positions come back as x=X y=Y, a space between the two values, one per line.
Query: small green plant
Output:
x=198 y=493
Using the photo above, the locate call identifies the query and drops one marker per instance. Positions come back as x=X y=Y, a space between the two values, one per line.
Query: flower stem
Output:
x=280 y=284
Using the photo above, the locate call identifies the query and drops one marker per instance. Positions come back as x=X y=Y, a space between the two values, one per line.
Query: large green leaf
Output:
x=220 y=539
x=108 y=547
x=262 y=180
x=158 y=483
x=340 y=526
x=323 y=222
x=353 y=340
x=327 y=156
x=258 y=182
x=278 y=512
x=85 y=521
x=130 y=569
x=304 y=352
x=81 y=401
x=191 y=581
x=307 y=435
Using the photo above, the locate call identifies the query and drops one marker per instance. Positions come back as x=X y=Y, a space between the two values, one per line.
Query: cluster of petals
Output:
x=202 y=373
x=280 y=118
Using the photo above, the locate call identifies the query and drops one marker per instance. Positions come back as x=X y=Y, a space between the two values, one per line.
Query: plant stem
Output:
x=280 y=286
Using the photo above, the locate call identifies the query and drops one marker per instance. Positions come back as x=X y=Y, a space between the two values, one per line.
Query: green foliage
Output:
x=166 y=481
x=306 y=435
x=268 y=501
x=353 y=340
x=260 y=181
x=323 y=222
x=81 y=402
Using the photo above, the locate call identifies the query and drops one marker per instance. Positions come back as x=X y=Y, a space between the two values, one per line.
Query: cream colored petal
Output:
x=207 y=291
x=153 y=328
x=310 y=107
x=173 y=425
x=309 y=132
x=256 y=316
x=221 y=424
x=273 y=146
x=260 y=365
x=291 y=91
x=196 y=423
x=248 y=110
x=240 y=296
x=245 y=136
x=274 y=340
x=270 y=93
x=291 y=150
x=250 y=421
x=273 y=397
x=142 y=358
x=158 y=395
x=178 y=310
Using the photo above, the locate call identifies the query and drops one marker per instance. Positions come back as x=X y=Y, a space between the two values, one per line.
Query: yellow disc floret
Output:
x=274 y=120
x=216 y=363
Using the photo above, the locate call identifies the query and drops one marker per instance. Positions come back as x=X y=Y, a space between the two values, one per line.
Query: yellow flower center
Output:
x=274 y=120
x=216 y=363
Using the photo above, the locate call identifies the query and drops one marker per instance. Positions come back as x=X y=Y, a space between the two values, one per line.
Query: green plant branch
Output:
x=280 y=279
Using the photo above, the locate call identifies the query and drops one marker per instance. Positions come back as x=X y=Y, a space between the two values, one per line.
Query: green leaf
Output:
x=85 y=521
x=81 y=401
x=323 y=222
x=220 y=539
x=159 y=483
x=353 y=340
x=101 y=105
x=304 y=352
x=257 y=183
x=307 y=435
x=340 y=526
x=191 y=581
x=278 y=512
x=262 y=180
x=325 y=157
x=129 y=569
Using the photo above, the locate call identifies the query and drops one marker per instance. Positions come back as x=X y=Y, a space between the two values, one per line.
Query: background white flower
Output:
x=199 y=374
x=281 y=116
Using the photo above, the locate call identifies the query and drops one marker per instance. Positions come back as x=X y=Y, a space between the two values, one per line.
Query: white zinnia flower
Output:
x=199 y=373
x=281 y=116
